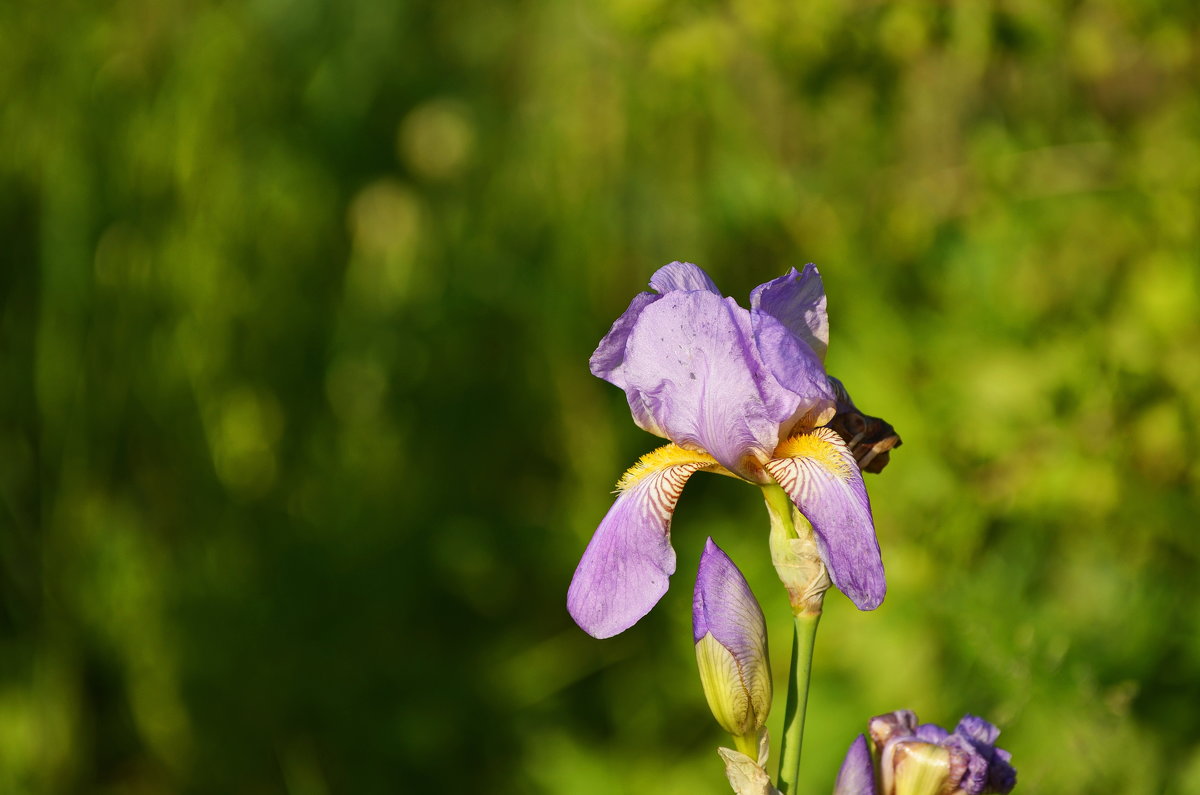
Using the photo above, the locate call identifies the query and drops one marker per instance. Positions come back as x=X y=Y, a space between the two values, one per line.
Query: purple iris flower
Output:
x=738 y=392
x=915 y=759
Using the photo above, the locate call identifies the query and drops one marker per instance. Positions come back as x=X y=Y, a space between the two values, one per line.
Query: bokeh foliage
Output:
x=298 y=446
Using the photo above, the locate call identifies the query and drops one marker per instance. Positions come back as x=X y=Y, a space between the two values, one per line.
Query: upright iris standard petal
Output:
x=797 y=300
x=682 y=276
x=691 y=360
x=609 y=357
x=818 y=472
x=857 y=776
x=626 y=566
x=731 y=646
x=796 y=368
x=608 y=361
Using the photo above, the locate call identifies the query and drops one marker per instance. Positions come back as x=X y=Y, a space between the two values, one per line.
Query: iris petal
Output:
x=819 y=474
x=724 y=605
x=988 y=768
x=690 y=361
x=682 y=276
x=609 y=356
x=608 y=362
x=857 y=776
x=797 y=300
x=794 y=365
x=625 y=569
x=931 y=733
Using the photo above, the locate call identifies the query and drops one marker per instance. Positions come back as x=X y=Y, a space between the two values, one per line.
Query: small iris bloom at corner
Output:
x=738 y=392
x=925 y=759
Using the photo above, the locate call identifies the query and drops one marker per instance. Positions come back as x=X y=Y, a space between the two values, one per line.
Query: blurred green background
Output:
x=299 y=448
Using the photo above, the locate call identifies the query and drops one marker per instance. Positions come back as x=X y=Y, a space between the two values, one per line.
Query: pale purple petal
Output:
x=610 y=353
x=827 y=486
x=724 y=605
x=710 y=375
x=644 y=408
x=682 y=276
x=793 y=364
x=797 y=300
x=625 y=568
x=608 y=362
x=691 y=366
x=857 y=776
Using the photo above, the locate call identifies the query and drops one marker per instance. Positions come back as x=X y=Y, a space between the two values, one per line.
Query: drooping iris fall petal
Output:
x=626 y=566
x=818 y=472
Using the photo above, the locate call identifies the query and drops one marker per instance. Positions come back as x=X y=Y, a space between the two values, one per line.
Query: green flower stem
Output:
x=798 y=563
x=747 y=744
x=797 y=700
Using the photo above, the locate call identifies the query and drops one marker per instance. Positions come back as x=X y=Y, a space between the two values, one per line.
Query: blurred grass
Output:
x=298 y=446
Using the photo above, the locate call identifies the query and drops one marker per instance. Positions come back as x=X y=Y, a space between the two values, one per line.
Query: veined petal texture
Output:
x=819 y=474
x=626 y=566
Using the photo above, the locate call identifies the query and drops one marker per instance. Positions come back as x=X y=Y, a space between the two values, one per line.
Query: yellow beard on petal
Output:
x=668 y=455
x=823 y=446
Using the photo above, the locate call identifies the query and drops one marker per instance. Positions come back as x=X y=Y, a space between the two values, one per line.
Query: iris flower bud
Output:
x=926 y=759
x=731 y=648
